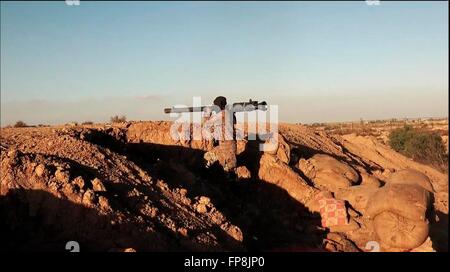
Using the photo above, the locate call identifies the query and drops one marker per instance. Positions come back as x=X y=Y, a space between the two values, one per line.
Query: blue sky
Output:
x=318 y=61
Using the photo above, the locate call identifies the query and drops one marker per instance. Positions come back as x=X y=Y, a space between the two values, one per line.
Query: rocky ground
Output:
x=131 y=187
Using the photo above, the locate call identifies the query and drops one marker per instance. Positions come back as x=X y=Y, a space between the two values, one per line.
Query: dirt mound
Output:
x=131 y=187
x=70 y=184
x=328 y=173
x=409 y=176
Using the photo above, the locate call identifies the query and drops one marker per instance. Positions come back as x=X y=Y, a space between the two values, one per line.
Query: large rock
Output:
x=410 y=176
x=399 y=215
x=274 y=171
x=278 y=147
x=328 y=173
x=410 y=201
x=370 y=180
x=400 y=232
x=358 y=196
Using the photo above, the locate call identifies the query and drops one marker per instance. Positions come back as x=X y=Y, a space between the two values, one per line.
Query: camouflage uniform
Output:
x=225 y=152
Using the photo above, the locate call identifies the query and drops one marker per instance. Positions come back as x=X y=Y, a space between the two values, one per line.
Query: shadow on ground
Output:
x=269 y=218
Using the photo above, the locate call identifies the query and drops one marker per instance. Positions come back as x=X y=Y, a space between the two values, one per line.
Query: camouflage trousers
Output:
x=224 y=154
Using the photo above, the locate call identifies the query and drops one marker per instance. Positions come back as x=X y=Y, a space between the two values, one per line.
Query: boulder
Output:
x=397 y=231
x=328 y=173
x=369 y=180
x=358 y=196
x=410 y=201
x=278 y=147
x=274 y=171
x=399 y=215
x=410 y=176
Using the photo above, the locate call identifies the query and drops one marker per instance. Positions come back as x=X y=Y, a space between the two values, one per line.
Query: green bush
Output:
x=419 y=145
x=398 y=137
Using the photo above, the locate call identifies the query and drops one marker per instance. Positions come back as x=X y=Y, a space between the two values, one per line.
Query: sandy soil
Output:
x=130 y=186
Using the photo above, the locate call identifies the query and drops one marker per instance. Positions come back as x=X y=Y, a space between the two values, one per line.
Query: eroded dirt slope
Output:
x=131 y=185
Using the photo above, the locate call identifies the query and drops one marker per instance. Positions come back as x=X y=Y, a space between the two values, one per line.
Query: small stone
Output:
x=12 y=153
x=79 y=181
x=201 y=208
x=53 y=185
x=217 y=217
x=68 y=189
x=186 y=201
x=204 y=200
x=104 y=203
x=40 y=170
x=243 y=173
x=153 y=212
x=62 y=176
x=89 y=198
x=183 y=192
x=183 y=232
x=233 y=231
x=98 y=186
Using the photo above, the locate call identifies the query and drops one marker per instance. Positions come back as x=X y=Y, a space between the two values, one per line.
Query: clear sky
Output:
x=318 y=61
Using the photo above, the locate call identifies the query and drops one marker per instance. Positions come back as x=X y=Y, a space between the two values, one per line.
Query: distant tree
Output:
x=117 y=119
x=20 y=124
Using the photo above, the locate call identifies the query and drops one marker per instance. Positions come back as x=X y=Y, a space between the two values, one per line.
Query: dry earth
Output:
x=130 y=187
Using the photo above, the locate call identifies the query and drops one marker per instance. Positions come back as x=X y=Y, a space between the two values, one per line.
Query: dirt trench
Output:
x=132 y=186
x=267 y=216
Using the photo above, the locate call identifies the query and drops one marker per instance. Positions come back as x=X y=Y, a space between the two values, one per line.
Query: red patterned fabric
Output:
x=332 y=211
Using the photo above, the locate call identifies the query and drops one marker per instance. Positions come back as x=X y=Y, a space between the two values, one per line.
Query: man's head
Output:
x=221 y=102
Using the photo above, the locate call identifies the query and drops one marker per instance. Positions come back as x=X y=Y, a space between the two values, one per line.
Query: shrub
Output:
x=117 y=119
x=20 y=124
x=419 y=145
x=88 y=123
x=398 y=137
